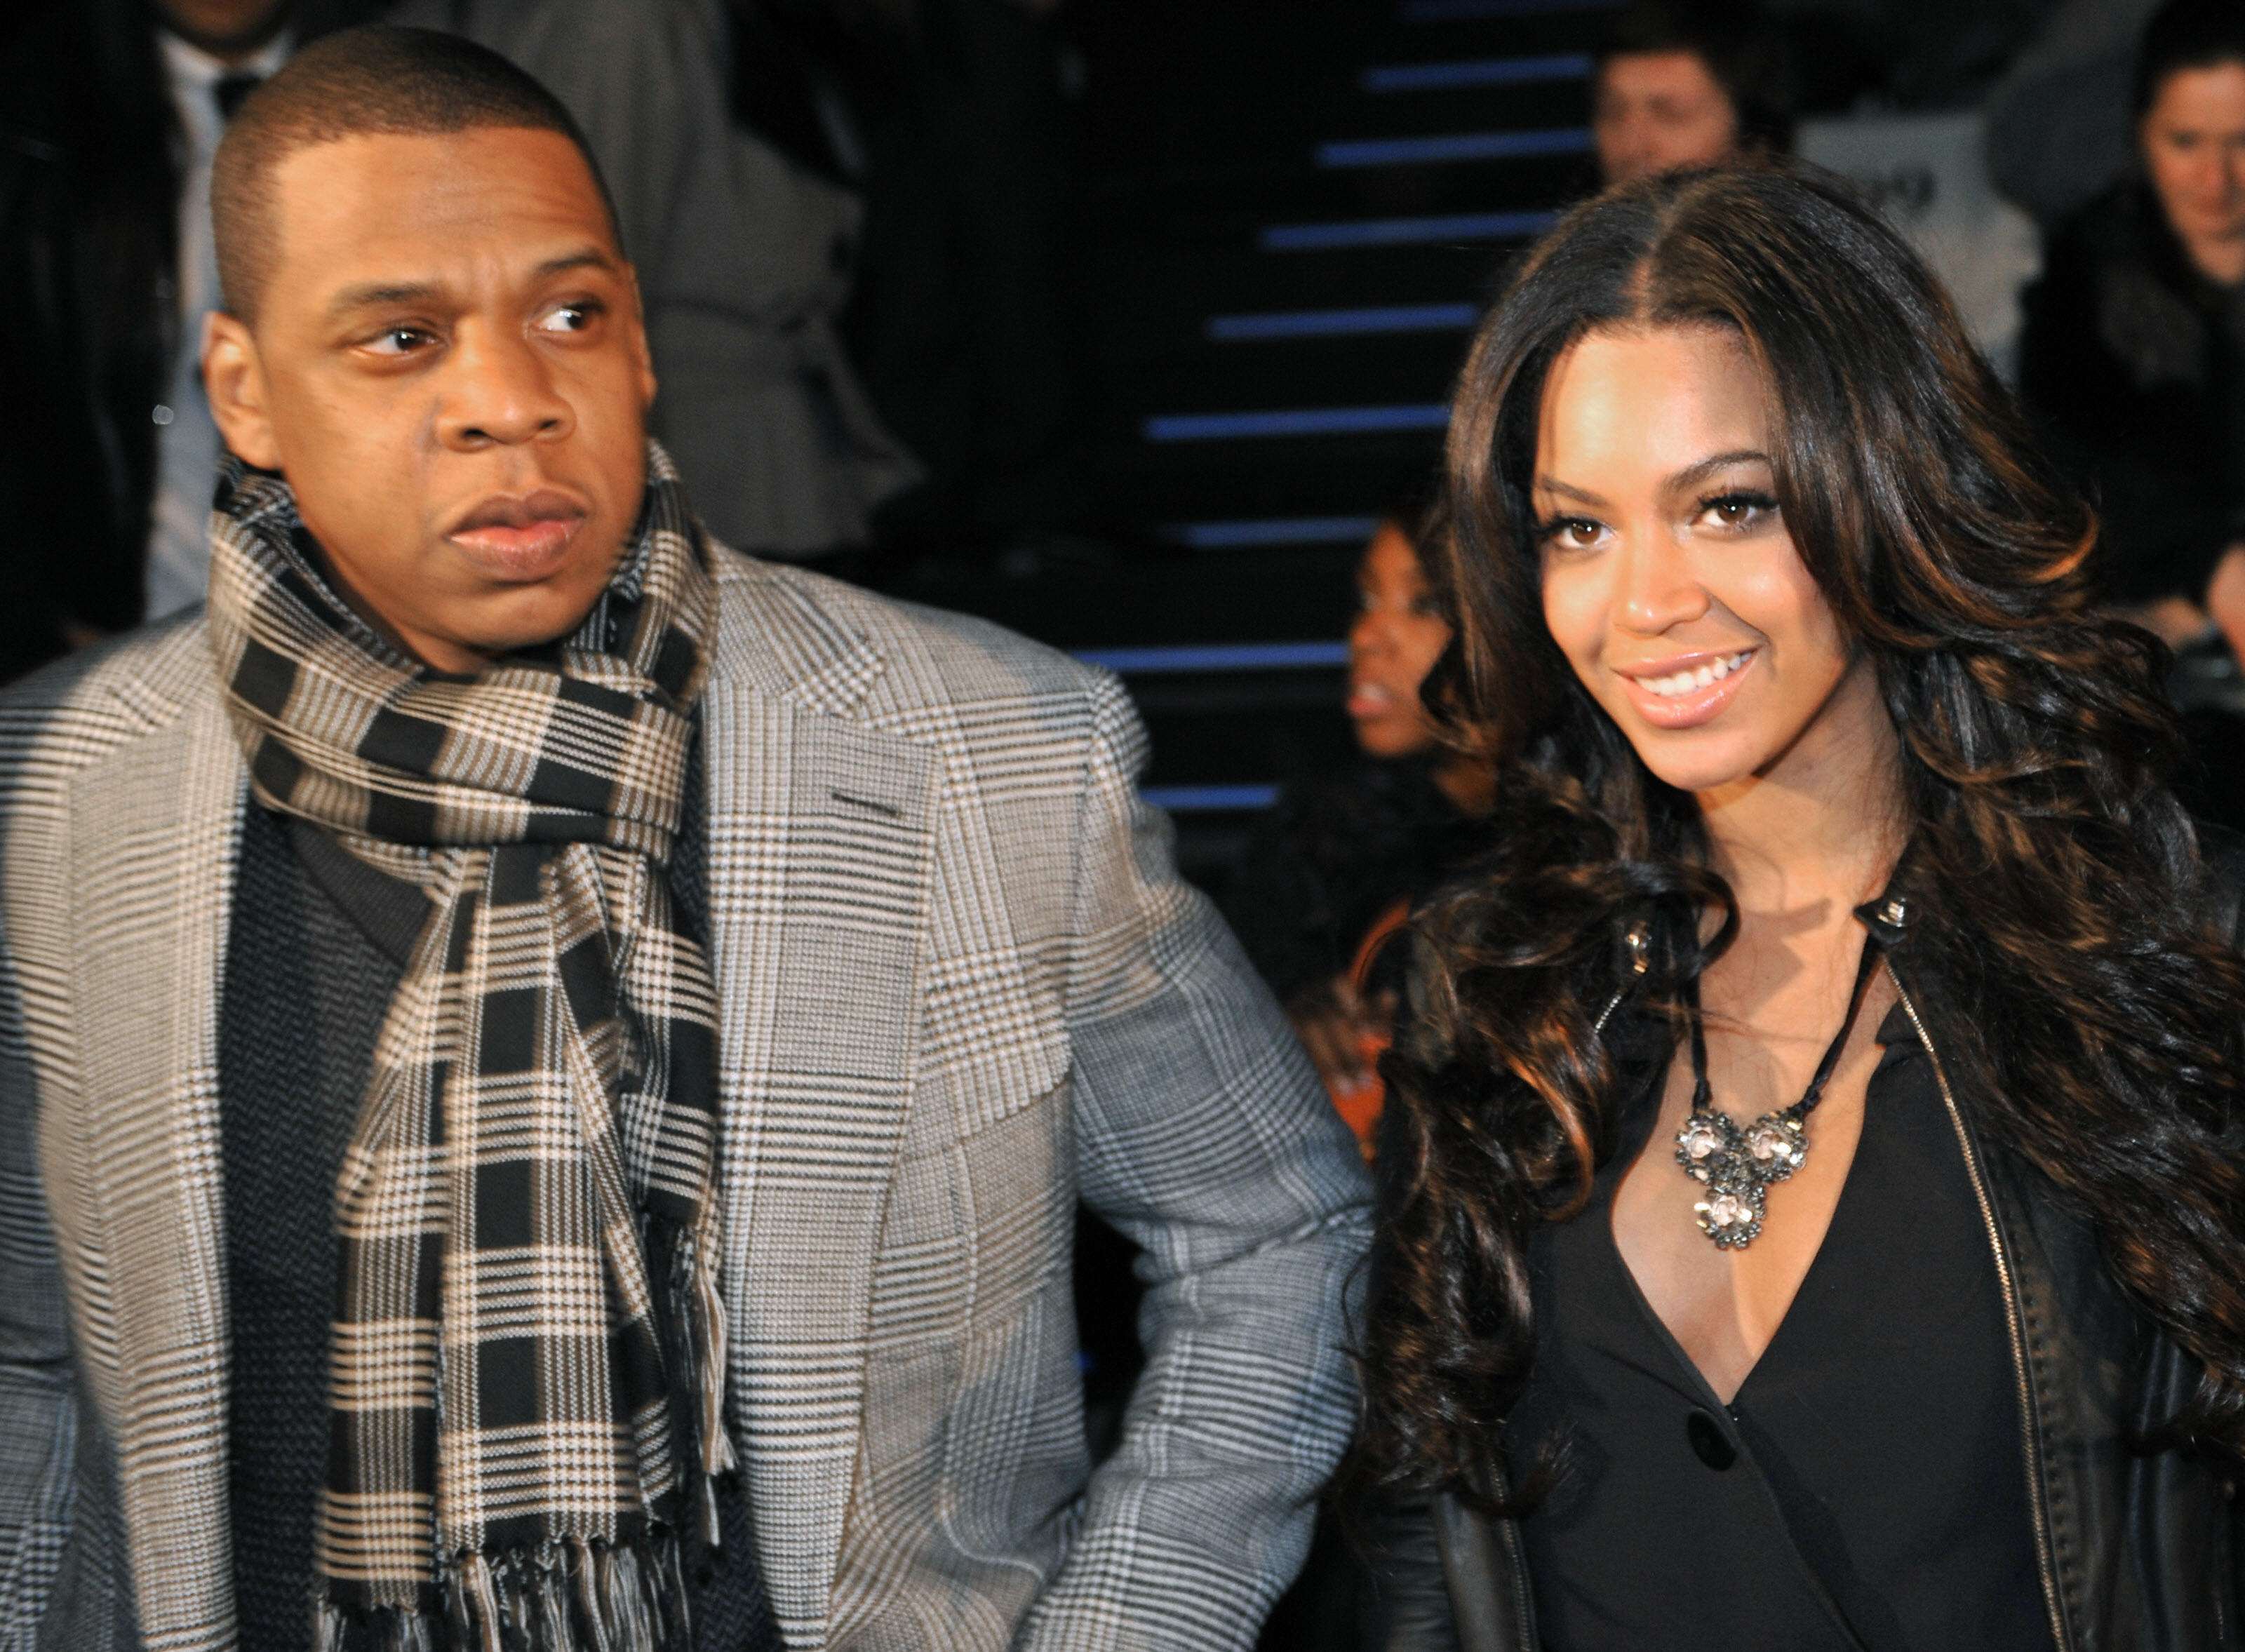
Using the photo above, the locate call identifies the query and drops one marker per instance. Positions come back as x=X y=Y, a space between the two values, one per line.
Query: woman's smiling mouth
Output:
x=1676 y=684
x=1689 y=691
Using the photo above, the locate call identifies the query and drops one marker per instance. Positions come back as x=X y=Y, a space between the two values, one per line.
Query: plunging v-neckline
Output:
x=1645 y=1144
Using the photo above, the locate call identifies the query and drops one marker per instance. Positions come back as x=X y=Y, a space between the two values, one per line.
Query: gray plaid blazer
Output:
x=960 y=984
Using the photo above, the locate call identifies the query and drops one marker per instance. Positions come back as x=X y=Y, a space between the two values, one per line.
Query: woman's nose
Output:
x=1659 y=588
x=1370 y=633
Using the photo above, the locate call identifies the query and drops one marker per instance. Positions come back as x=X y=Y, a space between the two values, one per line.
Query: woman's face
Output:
x=2193 y=138
x=1654 y=111
x=1394 y=643
x=1669 y=581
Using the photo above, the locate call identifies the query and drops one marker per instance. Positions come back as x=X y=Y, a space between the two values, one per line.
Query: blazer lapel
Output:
x=153 y=835
x=820 y=835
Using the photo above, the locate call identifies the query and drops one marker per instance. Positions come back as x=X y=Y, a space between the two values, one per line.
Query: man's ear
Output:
x=234 y=380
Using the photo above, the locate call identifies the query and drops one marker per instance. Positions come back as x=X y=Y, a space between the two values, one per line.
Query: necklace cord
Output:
x=1702 y=1094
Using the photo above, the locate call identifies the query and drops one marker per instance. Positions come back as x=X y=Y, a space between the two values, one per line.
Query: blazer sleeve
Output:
x=39 y=1402
x=1202 y=1135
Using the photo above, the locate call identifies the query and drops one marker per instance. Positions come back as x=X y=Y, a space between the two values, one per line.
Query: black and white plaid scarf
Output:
x=527 y=1366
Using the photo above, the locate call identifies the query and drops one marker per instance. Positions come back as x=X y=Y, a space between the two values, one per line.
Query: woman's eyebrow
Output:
x=1552 y=485
x=1693 y=474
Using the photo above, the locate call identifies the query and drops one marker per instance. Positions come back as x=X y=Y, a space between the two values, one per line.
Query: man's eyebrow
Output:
x=584 y=258
x=369 y=293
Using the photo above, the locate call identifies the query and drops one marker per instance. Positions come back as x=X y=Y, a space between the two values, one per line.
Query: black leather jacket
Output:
x=2136 y=1550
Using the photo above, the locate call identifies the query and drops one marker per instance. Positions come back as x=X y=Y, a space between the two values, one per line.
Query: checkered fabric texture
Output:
x=503 y=1362
x=960 y=987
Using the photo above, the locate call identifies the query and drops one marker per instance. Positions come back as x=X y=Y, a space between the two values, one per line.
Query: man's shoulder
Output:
x=926 y=657
x=77 y=709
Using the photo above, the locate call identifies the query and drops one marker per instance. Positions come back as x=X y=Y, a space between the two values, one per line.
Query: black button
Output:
x=1712 y=1446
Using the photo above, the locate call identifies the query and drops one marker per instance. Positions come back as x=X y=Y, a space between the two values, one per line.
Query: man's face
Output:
x=448 y=367
x=1654 y=111
x=226 y=29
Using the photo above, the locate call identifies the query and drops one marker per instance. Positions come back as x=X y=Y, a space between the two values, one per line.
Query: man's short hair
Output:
x=380 y=81
x=1743 y=51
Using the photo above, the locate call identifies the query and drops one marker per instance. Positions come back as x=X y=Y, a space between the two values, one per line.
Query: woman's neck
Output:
x=1823 y=823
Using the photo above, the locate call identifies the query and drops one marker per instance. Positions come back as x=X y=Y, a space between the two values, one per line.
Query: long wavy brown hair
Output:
x=2055 y=886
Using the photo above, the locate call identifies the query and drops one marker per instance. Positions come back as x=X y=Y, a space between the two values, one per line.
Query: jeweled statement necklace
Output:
x=1736 y=1166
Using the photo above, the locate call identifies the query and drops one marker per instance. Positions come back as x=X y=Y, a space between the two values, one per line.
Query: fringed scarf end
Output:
x=569 y=1595
x=370 y=1628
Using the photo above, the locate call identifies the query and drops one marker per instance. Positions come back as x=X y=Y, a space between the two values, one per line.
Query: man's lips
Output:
x=520 y=538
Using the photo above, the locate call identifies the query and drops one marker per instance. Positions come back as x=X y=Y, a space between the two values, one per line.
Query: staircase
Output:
x=1292 y=215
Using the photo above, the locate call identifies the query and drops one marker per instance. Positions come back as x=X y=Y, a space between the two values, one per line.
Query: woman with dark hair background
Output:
x=1328 y=875
x=1813 y=1214
x=2134 y=351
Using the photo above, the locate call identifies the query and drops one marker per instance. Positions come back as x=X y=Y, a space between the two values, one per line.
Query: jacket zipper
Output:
x=2012 y=1316
x=1523 y=1611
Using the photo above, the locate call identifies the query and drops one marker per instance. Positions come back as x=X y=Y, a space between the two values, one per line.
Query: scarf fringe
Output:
x=697 y=1354
x=569 y=1595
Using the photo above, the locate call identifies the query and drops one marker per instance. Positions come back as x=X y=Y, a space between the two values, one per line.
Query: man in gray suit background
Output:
x=546 y=1066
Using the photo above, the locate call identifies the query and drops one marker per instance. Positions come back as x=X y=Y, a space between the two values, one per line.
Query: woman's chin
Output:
x=1392 y=739
x=1697 y=760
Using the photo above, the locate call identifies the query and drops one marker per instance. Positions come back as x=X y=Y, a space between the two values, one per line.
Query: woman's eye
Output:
x=398 y=341
x=1740 y=510
x=1572 y=533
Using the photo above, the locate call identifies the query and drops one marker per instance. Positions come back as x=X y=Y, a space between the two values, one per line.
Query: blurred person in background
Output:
x=1332 y=872
x=2133 y=356
x=107 y=451
x=1689 y=85
x=745 y=257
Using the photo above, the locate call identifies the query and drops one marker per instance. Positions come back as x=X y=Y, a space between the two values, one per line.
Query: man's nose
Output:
x=1659 y=586
x=501 y=391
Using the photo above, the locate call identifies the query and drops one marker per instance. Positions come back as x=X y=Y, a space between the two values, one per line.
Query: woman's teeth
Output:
x=1685 y=682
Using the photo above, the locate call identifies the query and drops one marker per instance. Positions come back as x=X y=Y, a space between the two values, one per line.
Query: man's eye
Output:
x=567 y=318
x=398 y=341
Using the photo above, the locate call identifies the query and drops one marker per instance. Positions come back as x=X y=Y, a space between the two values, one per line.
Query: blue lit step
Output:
x=1452 y=147
x=1267 y=531
x=1208 y=800
x=1404 y=232
x=1336 y=324
x=1485 y=71
x=1218 y=656
x=1295 y=421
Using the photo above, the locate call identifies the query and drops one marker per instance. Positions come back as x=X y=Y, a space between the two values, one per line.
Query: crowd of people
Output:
x=547 y=1066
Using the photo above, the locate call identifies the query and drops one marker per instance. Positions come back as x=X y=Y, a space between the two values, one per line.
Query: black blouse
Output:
x=1865 y=1491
